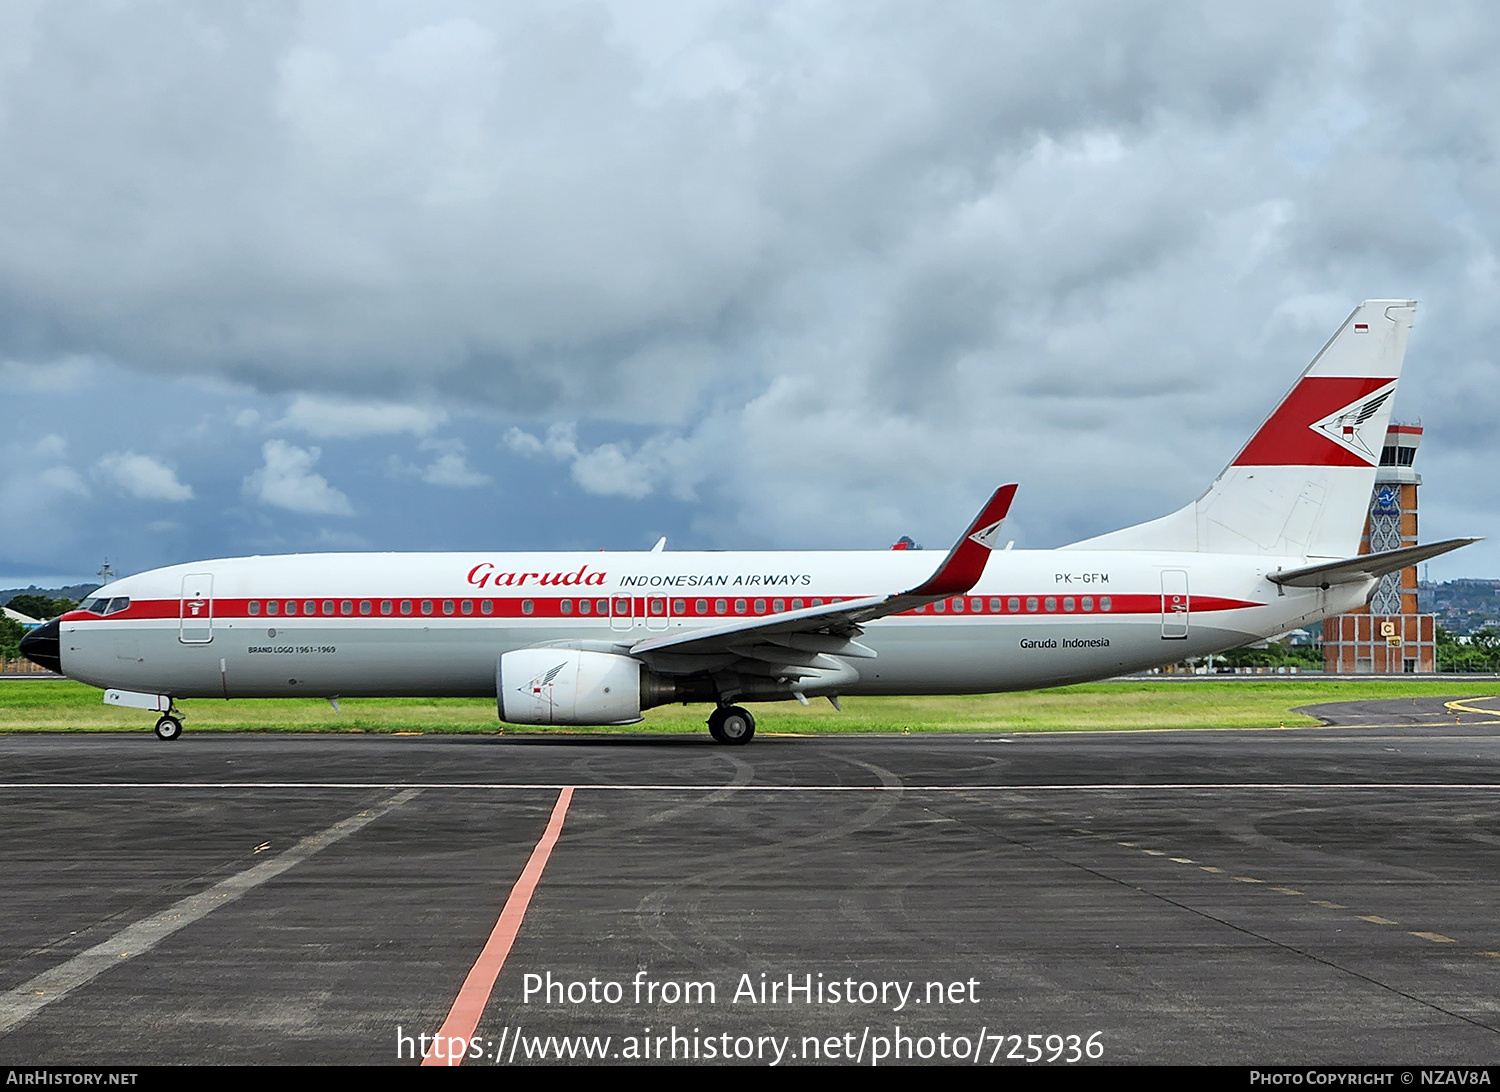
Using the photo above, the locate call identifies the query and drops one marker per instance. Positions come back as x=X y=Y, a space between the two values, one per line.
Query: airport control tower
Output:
x=1388 y=637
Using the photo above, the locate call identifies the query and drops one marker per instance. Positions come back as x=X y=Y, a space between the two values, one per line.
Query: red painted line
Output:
x=468 y=1007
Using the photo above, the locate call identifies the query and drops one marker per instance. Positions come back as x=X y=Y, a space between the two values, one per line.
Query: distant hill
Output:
x=71 y=591
x=1462 y=606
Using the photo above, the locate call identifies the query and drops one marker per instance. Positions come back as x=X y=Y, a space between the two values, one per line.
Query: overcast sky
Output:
x=748 y=275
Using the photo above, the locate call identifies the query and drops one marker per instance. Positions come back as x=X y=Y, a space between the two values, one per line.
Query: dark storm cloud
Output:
x=432 y=194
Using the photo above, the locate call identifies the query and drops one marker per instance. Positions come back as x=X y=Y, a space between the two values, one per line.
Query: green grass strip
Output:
x=29 y=705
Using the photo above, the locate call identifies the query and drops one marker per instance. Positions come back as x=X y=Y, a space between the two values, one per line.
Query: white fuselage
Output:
x=435 y=624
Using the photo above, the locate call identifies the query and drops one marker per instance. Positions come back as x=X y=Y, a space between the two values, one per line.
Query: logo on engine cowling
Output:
x=540 y=686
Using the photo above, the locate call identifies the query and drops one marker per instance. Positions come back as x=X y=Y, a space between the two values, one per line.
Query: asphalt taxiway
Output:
x=1311 y=896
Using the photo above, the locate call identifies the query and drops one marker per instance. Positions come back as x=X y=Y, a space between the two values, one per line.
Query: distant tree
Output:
x=39 y=606
x=1275 y=654
x=11 y=633
x=1479 y=655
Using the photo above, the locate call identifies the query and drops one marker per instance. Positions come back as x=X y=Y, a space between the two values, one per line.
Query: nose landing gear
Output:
x=731 y=724
x=169 y=727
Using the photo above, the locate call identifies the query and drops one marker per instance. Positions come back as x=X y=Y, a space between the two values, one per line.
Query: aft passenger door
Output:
x=195 y=613
x=1174 y=604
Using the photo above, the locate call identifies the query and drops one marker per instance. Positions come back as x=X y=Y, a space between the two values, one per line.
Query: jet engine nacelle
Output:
x=568 y=686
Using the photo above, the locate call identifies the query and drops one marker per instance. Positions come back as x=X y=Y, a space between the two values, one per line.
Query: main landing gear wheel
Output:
x=731 y=724
x=169 y=727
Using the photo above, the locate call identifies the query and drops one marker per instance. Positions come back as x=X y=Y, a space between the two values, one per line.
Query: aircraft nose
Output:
x=43 y=646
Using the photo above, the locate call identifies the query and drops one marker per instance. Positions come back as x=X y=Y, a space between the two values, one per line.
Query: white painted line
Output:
x=140 y=937
x=1131 y=786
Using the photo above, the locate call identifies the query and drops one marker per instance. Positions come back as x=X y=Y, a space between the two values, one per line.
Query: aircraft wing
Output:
x=795 y=644
x=1364 y=567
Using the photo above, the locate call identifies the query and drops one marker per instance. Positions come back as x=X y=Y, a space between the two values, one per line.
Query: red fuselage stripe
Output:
x=654 y=606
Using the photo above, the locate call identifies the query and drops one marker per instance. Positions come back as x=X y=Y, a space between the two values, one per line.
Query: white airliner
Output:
x=595 y=638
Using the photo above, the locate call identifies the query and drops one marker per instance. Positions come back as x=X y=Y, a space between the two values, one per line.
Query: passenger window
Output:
x=254 y=607
x=328 y=606
x=1088 y=602
x=796 y=604
x=1031 y=602
x=447 y=606
x=760 y=606
x=272 y=606
x=365 y=606
x=721 y=606
x=958 y=605
x=994 y=606
x=658 y=607
x=778 y=606
x=1013 y=605
x=385 y=606
x=291 y=606
x=1067 y=602
x=486 y=606
x=1051 y=603
x=940 y=606
x=679 y=606
x=427 y=606
x=566 y=606
x=310 y=607
x=1104 y=603
x=817 y=602
x=406 y=606
x=701 y=606
x=527 y=606
x=467 y=606
x=976 y=605
x=601 y=606
x=584 y=606
x=739 y=606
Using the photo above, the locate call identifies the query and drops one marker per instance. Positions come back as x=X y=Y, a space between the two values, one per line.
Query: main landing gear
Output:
x=170 y=725
x=731 y=724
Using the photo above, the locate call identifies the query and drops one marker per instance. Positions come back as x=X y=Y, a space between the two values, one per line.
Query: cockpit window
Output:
x=93 y=606
x=118 y=604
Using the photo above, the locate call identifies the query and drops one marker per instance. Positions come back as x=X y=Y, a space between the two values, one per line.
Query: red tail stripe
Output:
x=1287 y=438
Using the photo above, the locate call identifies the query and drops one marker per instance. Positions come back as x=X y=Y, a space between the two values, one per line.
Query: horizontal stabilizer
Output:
x=1364 y=567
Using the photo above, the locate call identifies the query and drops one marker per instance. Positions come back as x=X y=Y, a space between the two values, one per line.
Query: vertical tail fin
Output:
x=1301 y=486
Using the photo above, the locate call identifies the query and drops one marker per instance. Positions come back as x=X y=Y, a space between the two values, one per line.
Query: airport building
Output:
x=1389 y=637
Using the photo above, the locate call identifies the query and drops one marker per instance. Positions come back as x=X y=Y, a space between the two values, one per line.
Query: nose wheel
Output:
x=731 y=724
x=169 y=727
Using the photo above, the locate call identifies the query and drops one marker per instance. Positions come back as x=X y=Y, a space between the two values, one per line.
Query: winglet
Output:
x=964 y=565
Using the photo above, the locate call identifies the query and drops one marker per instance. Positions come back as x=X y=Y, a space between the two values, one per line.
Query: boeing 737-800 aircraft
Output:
x=586 y=639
